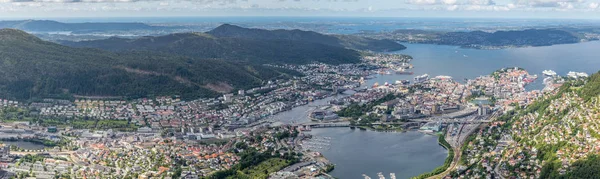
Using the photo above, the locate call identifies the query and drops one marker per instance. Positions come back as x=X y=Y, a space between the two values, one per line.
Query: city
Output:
x=257 y=89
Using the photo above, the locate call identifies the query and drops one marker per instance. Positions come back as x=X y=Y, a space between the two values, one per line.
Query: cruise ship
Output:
x=422 y=78
x=549 y=73
x=402 y=82
x=380 y=175
x=577 y=74
x=403 y=72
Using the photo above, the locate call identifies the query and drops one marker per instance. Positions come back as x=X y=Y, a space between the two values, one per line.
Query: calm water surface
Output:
x=463 y=63
x=25 y=145
x=357 y=152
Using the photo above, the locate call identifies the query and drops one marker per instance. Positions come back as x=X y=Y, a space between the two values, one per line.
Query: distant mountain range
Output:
x=487 y=40
x=54 y=26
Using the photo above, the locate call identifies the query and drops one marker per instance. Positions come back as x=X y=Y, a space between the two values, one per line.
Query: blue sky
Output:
x=587 y=9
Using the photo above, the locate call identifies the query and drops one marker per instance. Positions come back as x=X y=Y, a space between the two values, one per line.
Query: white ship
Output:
x=380 y=175
x=422 y=78
x=548 y=80
x=393 y=175
x=577 y=74
x=549 y=73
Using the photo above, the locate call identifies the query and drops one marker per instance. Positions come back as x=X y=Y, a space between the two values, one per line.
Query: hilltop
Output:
x=33 y=68
x=347 y=41
x=250 y=45
x=200 y=45
x=353 y=42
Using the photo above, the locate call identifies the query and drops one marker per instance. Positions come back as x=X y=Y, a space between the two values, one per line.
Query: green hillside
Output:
x=345 y=41
x=32 y=68
x=200 y=45
x=255 y=46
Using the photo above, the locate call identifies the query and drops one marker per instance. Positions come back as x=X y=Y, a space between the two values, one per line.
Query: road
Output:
x=457 y=152
x=35 y=153
x=467 y=130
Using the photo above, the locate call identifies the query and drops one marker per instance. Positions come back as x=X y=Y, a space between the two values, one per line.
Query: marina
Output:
x=317 y=144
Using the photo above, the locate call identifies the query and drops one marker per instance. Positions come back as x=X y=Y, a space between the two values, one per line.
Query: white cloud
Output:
x=452 y=8
x=299 y=7
x=423 y=2
x=548 y=3
x=481 y=2
x=511 y=6
x=123 y=1
x=449 y=2
x=452 y=2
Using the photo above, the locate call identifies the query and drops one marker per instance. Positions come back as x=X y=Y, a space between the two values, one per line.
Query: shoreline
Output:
x=441 y=142
x=447 y=163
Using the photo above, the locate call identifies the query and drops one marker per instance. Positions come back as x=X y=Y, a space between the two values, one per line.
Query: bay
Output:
x=357 y=152
x=461 y=63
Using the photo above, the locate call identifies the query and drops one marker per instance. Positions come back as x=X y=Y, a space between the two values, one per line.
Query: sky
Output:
x=40 y=9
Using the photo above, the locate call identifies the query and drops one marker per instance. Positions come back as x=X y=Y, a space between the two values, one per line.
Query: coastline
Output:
x=343 y=169
x=447 y=163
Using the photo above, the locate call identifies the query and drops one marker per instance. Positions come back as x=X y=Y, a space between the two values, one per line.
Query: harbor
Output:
x=399 y=148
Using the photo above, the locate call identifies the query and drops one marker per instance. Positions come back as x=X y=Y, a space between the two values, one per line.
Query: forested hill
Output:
x=485 y=40
x=201 y=45
x=33 y=68
x=353 y=42
x=529 y=37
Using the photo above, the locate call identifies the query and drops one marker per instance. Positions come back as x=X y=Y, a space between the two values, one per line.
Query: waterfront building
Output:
x=432 y=127
x=52 y=129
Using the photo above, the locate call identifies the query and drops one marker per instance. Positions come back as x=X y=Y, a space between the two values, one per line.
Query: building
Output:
x=482 y=110
x=431 y=127
x=435 y=109
x=228 y=98
x=52 y=129
x=144 y=130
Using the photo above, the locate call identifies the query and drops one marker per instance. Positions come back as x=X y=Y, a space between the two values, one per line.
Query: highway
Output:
x=36 y=153
x=457 y=141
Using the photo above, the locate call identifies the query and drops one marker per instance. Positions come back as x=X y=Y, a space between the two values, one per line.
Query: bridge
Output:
x=454 y=122
x=42 y=153
x=347 y=124
x=411 y=123
x=324 y=125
